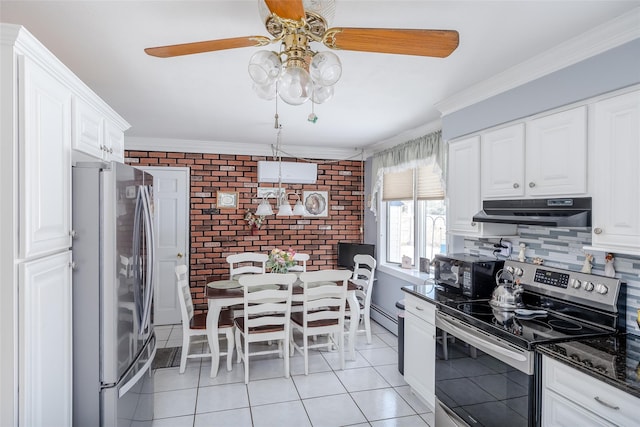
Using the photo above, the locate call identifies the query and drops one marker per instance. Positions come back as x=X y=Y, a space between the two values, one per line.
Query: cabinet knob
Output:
x=473 y=224
x=597 y=230
x=110 y=150
x=532 y=184
x=516 y=185
x=180 y=255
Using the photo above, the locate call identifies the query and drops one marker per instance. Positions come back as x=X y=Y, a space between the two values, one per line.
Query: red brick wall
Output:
x=216 y=235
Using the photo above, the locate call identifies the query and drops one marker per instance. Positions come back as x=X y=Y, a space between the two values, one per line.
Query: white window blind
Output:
x=428 y=185
x=399 y=185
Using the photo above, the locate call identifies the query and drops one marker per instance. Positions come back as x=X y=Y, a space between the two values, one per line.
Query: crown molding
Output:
x=235 y=148
x=609 y=35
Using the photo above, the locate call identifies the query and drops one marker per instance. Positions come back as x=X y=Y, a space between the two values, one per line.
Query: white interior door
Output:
x=171 y=222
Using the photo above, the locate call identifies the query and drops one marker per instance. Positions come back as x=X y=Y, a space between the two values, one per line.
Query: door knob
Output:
x=179 y=254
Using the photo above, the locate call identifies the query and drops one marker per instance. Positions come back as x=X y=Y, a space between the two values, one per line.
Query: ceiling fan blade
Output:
x=206 y=46
x=438 y=43
x=287 y=9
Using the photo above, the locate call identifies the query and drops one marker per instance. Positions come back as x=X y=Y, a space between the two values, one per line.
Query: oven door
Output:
x=484 y=381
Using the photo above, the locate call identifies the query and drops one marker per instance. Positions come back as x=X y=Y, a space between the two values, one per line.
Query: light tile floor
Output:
x=368 y=392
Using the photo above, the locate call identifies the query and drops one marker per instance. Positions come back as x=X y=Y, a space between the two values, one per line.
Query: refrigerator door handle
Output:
x=148 y=225
x=134 y=380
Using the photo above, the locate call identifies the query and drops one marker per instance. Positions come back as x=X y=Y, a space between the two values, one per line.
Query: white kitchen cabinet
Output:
x=615 y=165
x=502 y=163
x=546 y=157
x=45 y=161
x=46 y=341
x=556 y=154
x=463 y=192
x=573 y=398
x=95 y=135
x=419 y=347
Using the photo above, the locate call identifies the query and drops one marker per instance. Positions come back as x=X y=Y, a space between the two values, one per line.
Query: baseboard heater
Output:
x=391 y=317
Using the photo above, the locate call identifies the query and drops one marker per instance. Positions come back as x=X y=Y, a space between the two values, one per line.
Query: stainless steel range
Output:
x=489 y=376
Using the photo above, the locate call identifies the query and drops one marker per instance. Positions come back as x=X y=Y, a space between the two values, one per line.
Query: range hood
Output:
x=565 y=212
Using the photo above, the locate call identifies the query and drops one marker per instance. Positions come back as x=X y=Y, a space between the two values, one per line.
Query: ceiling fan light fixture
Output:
x=295 y=85
x=264 y=67
x=321 y=94
x=266 y=92
x=325 y=68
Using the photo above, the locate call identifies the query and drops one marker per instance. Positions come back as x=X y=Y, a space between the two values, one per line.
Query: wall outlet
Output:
x=506 y=248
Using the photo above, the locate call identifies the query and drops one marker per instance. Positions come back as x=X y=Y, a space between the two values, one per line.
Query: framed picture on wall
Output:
x=316 y=203
x=227 y=200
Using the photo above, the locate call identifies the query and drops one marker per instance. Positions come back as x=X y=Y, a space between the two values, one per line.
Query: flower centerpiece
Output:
x=253 y=221
x=281 y=261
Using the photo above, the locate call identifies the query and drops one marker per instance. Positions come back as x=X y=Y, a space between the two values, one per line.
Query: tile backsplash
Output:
x=563 y=248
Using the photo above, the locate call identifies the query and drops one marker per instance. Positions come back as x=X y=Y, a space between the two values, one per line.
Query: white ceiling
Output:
x=380 y=100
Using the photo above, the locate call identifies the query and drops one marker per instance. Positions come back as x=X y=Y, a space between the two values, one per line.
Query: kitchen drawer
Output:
x=422 y=309
x=610 y=403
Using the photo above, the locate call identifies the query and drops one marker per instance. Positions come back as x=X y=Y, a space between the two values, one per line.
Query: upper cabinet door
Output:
x=502 y=165
x=616 y=162
x=556 y=154
x=114 y=142
x=45 y=162
x=88 y=129
x=463 y=188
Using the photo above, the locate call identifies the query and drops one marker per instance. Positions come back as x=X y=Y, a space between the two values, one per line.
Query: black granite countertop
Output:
x=614 y=359
x=433 y=293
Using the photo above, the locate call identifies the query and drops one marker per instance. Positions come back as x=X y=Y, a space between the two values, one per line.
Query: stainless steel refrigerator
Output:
x=113 y=339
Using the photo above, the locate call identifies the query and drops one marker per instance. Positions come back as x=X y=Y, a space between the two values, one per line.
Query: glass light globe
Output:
x=267 y=91
x=299 y=209
x=325 y=68
x=264 y=67
x=284 y=209
x=321 y=94
x=295 y=86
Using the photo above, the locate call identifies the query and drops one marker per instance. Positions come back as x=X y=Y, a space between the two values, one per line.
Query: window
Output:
x=415 y=214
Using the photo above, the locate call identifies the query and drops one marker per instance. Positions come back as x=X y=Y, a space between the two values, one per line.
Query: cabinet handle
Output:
x=72 y=265
x=597 y=230
x=532 y=184
x=419 y=308
x=608 y=405
x=516 y=185
x=72 y=233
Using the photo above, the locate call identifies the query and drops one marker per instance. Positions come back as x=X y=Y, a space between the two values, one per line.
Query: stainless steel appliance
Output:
x=490 y=376
x=469 y=275
x=564 y=212
x=113 y=338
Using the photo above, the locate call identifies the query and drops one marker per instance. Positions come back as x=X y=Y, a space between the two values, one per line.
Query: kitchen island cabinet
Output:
x=616 y=166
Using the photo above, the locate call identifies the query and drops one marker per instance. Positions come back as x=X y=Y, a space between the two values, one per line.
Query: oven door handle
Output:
x=478 y=342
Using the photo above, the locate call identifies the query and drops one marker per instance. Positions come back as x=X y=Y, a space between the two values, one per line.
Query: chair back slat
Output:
x=247 y=263
x=267 y=299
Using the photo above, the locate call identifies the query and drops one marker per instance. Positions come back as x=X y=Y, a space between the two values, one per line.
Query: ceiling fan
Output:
x=297 y=73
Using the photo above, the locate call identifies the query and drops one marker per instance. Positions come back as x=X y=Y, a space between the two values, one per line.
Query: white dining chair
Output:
x=247 y=263
x=194 y=325
x=301 y=260
x=363 y=277
x=323 y=312
x=267 y=307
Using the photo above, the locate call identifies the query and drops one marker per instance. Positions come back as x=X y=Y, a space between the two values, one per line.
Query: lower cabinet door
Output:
x=560 y=412
x=45 y=341
x=419 y=357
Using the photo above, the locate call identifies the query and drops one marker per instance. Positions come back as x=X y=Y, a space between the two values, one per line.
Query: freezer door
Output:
x=130 y=402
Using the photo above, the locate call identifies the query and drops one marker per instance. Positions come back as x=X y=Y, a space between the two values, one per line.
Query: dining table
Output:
x=222 y=293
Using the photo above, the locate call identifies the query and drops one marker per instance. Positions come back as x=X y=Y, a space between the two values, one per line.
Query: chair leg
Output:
x=230 y=345
x=341 y=349
x=238 y=345
x=305 y=343
x=185 y=351
x=285 y=354
x=245 y=357
x=367 y=325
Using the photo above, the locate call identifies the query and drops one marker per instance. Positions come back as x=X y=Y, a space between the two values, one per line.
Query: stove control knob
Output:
x=576 y=283
x=601 y=289
x=588 y=286
x=509 y=269
x=517 y=271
